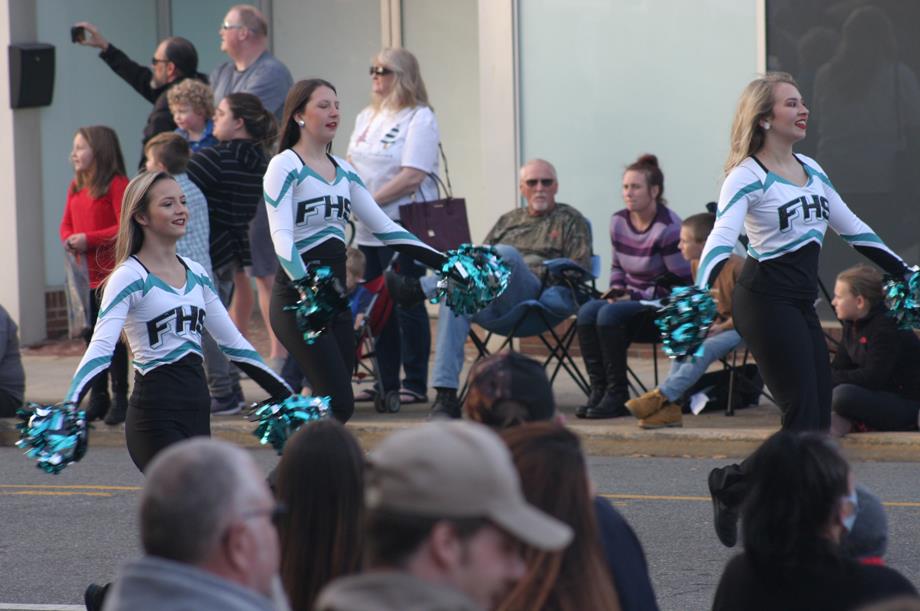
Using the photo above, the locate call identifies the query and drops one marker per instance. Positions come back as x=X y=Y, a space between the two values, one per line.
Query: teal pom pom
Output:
x=684 y=320
x=322 y=298
x=54 y=435
x=902 y=297
x=278 y=421
x=471 y=278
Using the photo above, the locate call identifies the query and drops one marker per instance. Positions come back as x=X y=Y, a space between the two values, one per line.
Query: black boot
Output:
x=613 y=346
x=446 y=405
x=594 y=363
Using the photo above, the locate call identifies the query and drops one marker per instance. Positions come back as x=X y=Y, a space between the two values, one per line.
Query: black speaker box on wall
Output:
x=31 y=74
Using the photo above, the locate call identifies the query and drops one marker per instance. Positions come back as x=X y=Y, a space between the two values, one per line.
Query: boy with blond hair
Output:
x=191 y=104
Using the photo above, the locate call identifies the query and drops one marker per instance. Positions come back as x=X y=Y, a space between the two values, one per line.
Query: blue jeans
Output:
x=685 y=373
x=453 y=328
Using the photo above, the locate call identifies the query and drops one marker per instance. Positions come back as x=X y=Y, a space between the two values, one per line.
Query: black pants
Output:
x=8 y=405
x=328 y=363
x=786 y=340
x=168 y=404
x=878 y=409
x=118 y=370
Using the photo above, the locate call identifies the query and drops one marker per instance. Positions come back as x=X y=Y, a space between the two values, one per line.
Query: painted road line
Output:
x=663 y=497
x=27 y=607
x=70 y=487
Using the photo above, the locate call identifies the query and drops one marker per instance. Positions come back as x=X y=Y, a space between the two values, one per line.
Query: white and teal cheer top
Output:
x=304 y=211
x=785 y=224
x=163 y=324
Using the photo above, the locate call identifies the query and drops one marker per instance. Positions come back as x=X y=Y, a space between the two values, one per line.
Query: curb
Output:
x=598 y=440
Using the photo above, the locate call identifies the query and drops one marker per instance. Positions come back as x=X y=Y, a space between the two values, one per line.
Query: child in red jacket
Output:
x=88 y=228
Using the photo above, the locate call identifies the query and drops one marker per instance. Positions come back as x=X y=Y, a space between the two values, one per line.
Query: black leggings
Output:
x=788 y=344
x=168 y=404
x=786 y=340
x=878 y=409
x=327 y=363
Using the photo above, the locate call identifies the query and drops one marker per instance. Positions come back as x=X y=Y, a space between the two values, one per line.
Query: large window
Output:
x=857 y=67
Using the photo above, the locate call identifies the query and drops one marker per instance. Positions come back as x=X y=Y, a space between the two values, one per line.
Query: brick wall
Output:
x=56 y=313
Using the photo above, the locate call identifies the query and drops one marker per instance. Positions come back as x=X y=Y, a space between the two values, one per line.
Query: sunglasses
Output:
x=379 y=71
x=546 y=182
x=156 y=61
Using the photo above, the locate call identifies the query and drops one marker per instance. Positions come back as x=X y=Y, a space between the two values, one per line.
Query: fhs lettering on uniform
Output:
x=184 y=324
x=340 y=208
x=817 y=209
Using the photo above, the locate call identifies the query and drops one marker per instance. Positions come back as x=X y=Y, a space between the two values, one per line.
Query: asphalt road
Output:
x=57 y=534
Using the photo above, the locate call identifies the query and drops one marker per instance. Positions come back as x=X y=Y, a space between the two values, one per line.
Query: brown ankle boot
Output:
x=668 y=416
x=645 y=405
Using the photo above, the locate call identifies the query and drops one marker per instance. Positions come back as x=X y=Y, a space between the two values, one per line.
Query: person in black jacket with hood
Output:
x=876 y=372
x=174 y=60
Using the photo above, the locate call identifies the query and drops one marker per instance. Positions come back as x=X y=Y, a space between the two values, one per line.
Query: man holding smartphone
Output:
x=174 y=59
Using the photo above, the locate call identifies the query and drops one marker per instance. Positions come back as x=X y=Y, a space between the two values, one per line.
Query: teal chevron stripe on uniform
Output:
x=172 y=357
x=242 y=353
x=137 y=285
x=863 y=237
x=811 y=235
x=293 y=266
x=716 y=253
x=821 y=176
x=92 y=365
x=320 y=235
x=754 y=186
x=192 y=280
x=152 y=281
x=288 y=181
x=352 y=177
x=396 y=235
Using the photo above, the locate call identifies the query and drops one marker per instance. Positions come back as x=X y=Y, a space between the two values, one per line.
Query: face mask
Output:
x=849 y=520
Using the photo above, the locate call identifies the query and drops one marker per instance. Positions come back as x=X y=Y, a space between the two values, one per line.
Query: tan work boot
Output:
x=645 y=405
x=669 y=415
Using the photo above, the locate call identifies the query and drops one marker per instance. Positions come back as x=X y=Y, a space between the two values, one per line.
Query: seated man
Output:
x=447 y=523
x=524 y=237
x=206 y=520
x=660 y=406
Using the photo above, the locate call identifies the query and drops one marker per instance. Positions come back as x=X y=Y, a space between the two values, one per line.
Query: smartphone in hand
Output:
x=614 y=293
x=78 y=34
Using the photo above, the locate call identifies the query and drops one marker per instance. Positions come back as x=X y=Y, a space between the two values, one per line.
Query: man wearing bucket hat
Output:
x=446 y=517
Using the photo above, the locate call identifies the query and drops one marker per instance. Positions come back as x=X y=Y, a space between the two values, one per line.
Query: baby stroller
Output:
x=377 y=312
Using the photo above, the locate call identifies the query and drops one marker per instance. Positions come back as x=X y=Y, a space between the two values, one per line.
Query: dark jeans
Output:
x=8 y=404
x=878 y=409
x=406 y=337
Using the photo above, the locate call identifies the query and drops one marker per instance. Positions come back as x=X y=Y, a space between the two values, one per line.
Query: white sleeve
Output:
x=741 y=189
x=422 y=138
x=278 y=193
x=122 y=291
x=235 y=346
x=382 y=226
x=856 y=232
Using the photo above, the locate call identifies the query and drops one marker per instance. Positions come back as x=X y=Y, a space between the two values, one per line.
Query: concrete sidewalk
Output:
x=706 y=435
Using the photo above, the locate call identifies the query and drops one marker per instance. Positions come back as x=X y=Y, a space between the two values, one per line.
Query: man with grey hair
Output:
x=252 y=68
x=206 y=519
x=525 y=237
x=446 y=520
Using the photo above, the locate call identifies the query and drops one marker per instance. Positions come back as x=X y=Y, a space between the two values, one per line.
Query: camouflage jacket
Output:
x=561 y=233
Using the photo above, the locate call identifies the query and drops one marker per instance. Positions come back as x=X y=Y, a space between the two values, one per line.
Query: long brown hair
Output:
x=260 y=123
x=864 y=281
x=297 y=98
x=321 y=482
x=107 y=160
x=754 y=106
x=554 y=478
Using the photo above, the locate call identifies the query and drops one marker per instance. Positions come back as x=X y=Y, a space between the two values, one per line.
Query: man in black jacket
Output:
x=175 y=59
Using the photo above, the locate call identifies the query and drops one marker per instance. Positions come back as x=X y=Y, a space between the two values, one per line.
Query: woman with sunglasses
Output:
x=394 y=148
x=646 y=262
x=310 y=196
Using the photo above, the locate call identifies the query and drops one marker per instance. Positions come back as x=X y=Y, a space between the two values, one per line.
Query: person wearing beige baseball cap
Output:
x=446 y=523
